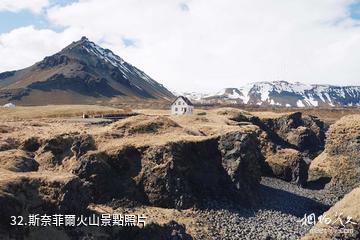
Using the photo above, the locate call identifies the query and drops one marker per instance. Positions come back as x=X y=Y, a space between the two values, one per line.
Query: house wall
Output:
x=180 y=107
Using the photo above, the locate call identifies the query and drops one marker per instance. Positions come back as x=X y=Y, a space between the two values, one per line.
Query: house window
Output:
x=176 y=109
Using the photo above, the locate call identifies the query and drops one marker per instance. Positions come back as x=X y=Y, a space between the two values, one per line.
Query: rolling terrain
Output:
x=222 y=173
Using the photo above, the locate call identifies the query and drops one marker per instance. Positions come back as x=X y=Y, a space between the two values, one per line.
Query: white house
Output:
x=181 y=106
x=9 y=105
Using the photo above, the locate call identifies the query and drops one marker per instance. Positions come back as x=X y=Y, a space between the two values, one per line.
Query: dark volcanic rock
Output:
x=303 y=133
x=287 y=143
x=31 y=144
x=177 y=174
x=82 y=145
x=180 y=174
x=110 y=176
x=291 y=130
x=242 y=159
x=53 y=61
x=289 y=165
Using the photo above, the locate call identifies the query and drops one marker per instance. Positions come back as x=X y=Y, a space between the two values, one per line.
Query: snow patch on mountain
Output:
x=125 y=68
x=283 y=93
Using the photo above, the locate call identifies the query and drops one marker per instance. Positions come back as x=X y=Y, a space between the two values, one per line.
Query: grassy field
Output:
x=330 y=115
x=55 y=111
x=327 y=114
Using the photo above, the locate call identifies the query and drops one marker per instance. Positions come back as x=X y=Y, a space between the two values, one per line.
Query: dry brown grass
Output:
x=339 y=160
x=327 y=114
x=144 y=125
x=160 y=216
x=348 y=206
x=54 y=111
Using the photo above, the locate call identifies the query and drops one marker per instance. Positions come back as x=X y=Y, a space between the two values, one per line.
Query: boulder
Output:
x=18 y=161
x=304 y=139
x=242 y=159
x=288 y=164
x=110 y=176
x=340 y=160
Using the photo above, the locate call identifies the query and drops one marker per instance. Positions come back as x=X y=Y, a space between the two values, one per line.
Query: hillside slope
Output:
x=83 y=72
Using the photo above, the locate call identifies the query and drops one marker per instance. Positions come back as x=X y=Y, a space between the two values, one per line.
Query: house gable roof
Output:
x=188 y=102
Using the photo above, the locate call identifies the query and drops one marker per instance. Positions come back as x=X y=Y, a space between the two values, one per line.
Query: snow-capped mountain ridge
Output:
x=108 y=56
x=283 y=93
x=82 y=72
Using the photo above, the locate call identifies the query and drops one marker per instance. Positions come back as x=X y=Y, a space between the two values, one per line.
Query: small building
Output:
x=9 y=105
x=181 y=105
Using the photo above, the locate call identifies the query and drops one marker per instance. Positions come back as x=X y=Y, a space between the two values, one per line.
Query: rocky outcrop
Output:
x=305 y=134
x=288 y=164
x=178 y=174
x=242 y=160
x=184 y=173
x=291 y=130
x=340 y=160
x=287 y=142
x=39 y=193
x=18 y=161
x=111 y=176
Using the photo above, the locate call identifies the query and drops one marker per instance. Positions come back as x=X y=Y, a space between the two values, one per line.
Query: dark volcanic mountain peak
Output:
x=80 y=72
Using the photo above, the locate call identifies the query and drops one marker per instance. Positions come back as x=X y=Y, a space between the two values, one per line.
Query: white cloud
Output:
x=17 y=5
x=217 y=43
x=24 y=46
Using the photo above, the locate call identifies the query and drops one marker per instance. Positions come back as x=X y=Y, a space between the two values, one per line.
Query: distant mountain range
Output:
x=282 y=93
x=83 y=72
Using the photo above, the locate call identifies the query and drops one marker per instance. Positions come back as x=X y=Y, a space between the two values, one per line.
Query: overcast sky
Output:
x=195 y=45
